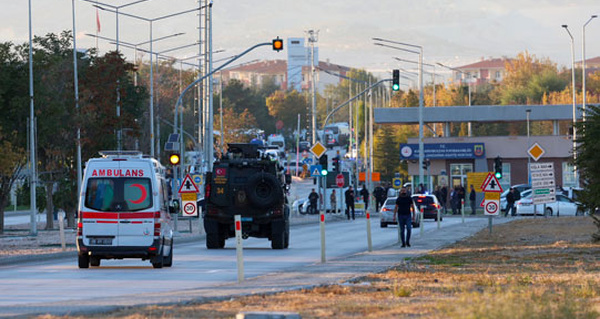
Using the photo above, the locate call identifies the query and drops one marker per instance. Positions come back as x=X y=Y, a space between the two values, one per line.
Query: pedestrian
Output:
x=510 y=202
x=403 y=211
x=461 y=199
x=333 y=200
x=421 y=189
x=454 y=200
x=349 y=197
x=444 y=201
x=313 y=198
x=364 y=192
x=472 y=196
x=378 y=193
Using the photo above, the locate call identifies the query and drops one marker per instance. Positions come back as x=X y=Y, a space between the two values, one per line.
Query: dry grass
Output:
x=533 y=268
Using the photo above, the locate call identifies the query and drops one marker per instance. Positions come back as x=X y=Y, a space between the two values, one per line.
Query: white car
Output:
x=387 y=213
x=563 y=206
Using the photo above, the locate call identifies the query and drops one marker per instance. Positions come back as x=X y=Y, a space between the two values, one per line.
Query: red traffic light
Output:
x=277 y=44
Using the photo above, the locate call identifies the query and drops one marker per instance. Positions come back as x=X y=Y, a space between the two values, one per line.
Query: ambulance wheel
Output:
x=158 y=261
x=84 y=261
x=169 y=259
x=94 y=261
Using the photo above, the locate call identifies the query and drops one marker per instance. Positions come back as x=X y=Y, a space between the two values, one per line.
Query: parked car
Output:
x=523 y=189
x=303 y=146
x=563 y=206
x=298 y=205
x=430 y=205
x=387 y=216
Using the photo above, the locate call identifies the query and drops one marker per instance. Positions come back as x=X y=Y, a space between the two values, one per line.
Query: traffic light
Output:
x=336 y=164
x=323 y=163
x=395 y=80
x=498 y=167
x=277 y=44
x=426 y=164
x=174 y=158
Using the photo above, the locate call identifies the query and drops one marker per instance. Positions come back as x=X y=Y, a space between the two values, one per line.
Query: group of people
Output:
x=349 y=198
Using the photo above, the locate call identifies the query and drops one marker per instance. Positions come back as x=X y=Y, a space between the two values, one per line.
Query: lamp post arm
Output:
x=352 y=99
x=179 y=100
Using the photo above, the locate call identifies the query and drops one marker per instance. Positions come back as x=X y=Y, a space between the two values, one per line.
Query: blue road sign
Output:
x=307 y=161
x=397 y=182
x=315 y=170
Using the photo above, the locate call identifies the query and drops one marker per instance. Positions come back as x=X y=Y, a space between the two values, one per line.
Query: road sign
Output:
x=197 y=179
x=543 y=183
x=188 y=185
x=339 y=180
x=536 y=151
x=190 y=208
x=477 y=179
x=307 y=161
x=492 y=184
x=492 y=196
x=318 y=149
x=492 y=207
x=315 y=170
x=397 y=182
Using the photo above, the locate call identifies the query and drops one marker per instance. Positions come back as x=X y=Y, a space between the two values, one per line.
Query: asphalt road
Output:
x=60 y=287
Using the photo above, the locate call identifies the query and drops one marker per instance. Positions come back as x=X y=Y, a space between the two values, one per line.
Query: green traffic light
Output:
x=324 y=172
x=498 y=175
x=395 y=87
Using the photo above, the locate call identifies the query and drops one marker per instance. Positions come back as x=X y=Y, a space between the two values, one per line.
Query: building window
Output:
x=458 y=174
x=498 y=76
x=568 y=175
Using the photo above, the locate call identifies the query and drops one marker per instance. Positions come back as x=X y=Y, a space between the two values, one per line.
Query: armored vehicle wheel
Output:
x=263 y=190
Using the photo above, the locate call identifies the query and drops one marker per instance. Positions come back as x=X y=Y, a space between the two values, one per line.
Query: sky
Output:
x=452 y=32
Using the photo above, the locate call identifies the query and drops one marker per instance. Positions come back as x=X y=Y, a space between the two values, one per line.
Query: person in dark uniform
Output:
x=364 y=193
x=313 y=198
x=349 y=196
x=403 y=211
x=380 y=196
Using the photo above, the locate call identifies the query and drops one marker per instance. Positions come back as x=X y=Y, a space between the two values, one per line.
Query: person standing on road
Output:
x=349 y=197
x=472 y=196
x=444 y=201
x=313 y=198
x=333 y=200
x=364 y=192
x=510 y=202
x=461 y=198
x=403 y=211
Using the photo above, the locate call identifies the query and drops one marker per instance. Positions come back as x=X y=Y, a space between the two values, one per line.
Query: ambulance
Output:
x=124 y=210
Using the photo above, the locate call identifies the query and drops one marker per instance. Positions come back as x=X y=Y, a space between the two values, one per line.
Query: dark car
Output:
x=303 y=146
x=429 y=204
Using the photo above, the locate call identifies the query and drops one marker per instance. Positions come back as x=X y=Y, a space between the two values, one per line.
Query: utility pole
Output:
x=313 y=37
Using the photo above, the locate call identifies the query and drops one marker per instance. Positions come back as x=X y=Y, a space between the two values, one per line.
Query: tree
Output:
x=286 y=106
x=588 y=164
x=11 y=162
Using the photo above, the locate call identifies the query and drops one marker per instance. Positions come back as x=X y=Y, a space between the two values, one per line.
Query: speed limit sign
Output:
x=189 y=208
x=492 y=207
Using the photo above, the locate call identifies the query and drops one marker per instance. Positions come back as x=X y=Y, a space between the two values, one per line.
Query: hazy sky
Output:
x=453 y=32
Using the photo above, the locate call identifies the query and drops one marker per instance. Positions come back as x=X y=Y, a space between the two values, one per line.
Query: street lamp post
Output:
x=575 y=173
x=528 y=145
x=420 y=65
x=32 y=160
x=76 y=92
x=583 y=63
x=151 y=21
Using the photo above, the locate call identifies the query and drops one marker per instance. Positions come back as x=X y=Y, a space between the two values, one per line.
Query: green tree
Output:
x=588 y=164
x=286 y=106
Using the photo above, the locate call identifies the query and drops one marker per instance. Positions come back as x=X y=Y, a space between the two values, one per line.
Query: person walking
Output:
x=444 y=201
x=461 y=199
x=349 y=197
x=510 y=202
x=454 y=200
x=403 y=211
x=333 y=199
x=313 y=198
x=380 y=196
x=364 y=192
x=472 y=197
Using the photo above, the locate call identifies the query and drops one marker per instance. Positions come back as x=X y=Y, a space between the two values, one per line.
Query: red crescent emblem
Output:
x=142 y=197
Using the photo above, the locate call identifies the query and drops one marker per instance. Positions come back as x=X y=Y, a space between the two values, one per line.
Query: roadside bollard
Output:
x=239 y=248
x=369 y=242
x=421 y=223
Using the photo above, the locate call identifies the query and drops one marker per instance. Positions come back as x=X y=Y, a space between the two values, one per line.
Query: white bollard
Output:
x=61 y=230
x=322 y=226
x=239 y=247
x=369 y=242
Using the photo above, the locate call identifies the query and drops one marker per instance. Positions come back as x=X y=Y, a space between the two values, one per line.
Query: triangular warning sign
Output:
x=492 y=185
x=316 y=172
x=188 y=185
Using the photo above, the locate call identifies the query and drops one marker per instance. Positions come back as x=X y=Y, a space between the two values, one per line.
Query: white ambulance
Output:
x=124 y=210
